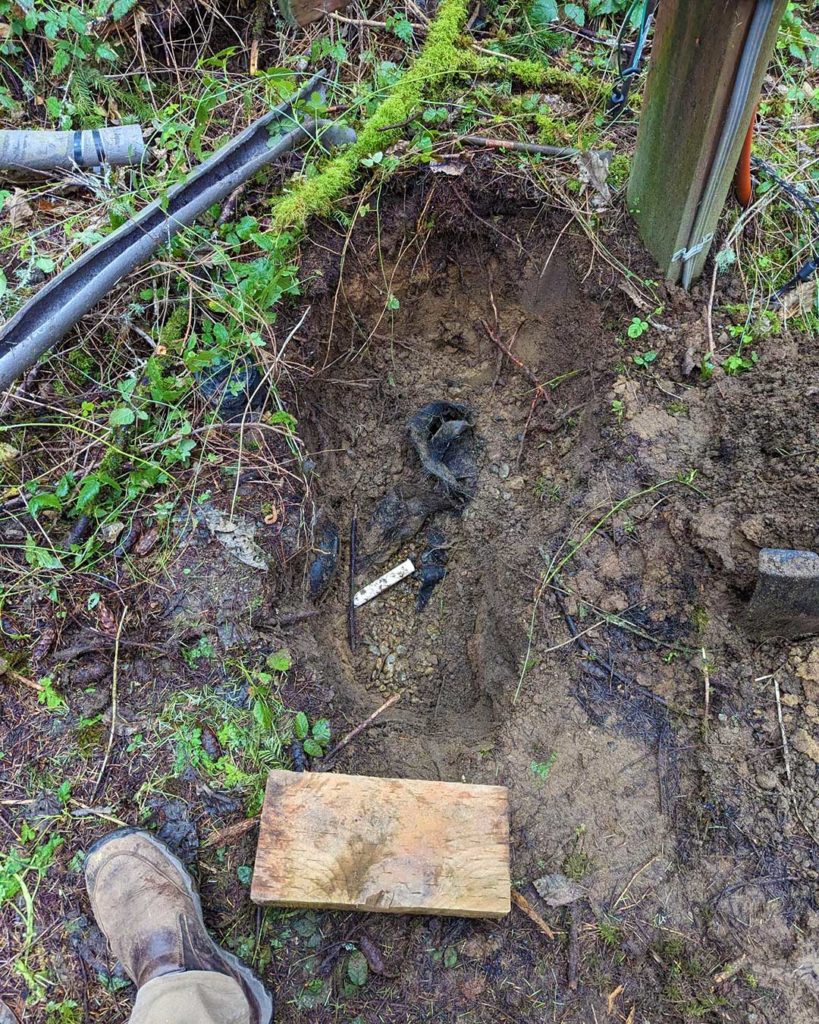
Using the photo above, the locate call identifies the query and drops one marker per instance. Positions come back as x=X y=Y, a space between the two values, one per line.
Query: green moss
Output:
x=438 y=60
x=443 y=56
x=619 y=169
x=535 y=75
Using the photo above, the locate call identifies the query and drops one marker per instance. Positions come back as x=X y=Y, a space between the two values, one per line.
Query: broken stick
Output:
x=351 y=735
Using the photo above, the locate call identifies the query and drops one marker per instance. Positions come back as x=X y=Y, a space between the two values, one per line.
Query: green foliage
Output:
x=315 y=740
x=22 y=867
x=637 y=328
x=357 y=969
x=644 y=359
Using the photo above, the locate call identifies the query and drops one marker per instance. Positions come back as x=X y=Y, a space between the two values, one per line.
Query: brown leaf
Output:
x=106 y=619
x=372 y=954
x=523 y=904
x=18 y=209
x=147 y=542
x=210 y=742
x=43 y=645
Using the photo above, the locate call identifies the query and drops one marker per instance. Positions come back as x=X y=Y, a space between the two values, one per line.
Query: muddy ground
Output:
x=650 y=488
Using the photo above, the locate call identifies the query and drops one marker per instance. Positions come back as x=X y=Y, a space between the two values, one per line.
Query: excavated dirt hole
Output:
x=460 y=660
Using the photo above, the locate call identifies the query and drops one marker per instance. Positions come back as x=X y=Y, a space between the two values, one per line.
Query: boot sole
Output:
x=236 y=968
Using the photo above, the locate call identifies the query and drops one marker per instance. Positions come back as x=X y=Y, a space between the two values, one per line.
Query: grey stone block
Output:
x=786 y=599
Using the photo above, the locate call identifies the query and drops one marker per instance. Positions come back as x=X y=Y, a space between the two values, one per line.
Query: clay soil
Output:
x=623 y=504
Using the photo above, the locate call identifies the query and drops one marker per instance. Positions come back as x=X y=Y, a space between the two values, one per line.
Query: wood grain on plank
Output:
x=302 y=12
x=348 y=842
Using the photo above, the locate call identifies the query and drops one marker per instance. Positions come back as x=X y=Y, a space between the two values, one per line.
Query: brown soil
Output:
x=682 y=830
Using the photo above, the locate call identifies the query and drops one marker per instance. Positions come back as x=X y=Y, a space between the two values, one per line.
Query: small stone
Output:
x=767 y=780
x=517 y=483
x=503 y=470
x=806 y=744
x=506 y=495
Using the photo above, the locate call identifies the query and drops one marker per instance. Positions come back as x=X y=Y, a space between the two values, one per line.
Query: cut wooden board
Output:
x=400 y=846
x=302 y=12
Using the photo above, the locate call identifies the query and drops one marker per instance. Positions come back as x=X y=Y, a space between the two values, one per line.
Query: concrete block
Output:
x=786 y=599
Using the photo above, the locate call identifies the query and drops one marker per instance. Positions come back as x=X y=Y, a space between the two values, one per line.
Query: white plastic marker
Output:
x=389 y=579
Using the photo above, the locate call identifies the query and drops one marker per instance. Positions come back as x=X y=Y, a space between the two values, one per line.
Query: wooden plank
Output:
x=302 y=12
x=399 y=846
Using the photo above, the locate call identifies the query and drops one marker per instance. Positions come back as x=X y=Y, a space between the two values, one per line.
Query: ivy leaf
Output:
x=301 y=727
x=357 y=969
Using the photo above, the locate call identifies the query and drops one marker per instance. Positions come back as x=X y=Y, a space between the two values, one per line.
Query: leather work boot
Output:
x=144 y=902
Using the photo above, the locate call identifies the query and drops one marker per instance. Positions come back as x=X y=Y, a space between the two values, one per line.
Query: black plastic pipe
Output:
x=46 y=317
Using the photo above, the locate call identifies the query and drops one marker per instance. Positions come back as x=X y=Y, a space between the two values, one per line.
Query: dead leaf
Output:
x=451 y=168
x=612 y=997
x=111 y=531
x=594 y=170
x=801 y=299
x=254 y=57
x=19 y=208
x=372 y=954
x=7 y=453
x=558 y=891
x=236 y=537
x=105 y=618
x=630 y=1018
x=147 y=542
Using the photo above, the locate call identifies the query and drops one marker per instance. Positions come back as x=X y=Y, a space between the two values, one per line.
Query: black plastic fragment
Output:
x=432 y=567
x=324 y=565
x=232 y=388
x=442 y=435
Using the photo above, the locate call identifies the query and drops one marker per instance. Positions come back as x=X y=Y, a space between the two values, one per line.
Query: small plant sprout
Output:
x=637 y=328
x=644 y=359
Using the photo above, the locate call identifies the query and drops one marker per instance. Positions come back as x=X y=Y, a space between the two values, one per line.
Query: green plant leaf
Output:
x=41 y=501
x=279 y=661
x=543 y=12
x=313 y=749
x=321 y=731
x=575 y=13
x=122 y=416
x=301 y=726
x=357 y=969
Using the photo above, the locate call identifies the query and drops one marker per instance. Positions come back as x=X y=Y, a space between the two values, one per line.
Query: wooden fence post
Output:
x=707 y=64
